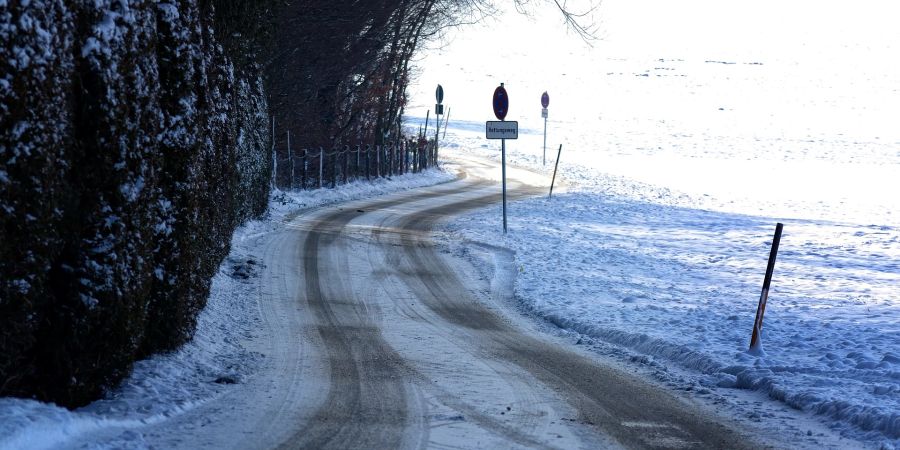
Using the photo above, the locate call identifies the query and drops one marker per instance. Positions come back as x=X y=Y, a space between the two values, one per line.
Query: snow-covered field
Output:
x=688 y=133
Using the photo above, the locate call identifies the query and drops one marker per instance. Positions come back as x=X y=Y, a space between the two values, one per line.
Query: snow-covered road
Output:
x=372 y=336
x=357 y=324
x=402 y=347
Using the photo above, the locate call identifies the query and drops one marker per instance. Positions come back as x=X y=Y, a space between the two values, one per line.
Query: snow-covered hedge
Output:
x=130 y=148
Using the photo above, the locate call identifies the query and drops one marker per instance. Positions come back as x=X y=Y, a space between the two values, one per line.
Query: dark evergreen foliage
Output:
x=131 y=145
x=339 y=69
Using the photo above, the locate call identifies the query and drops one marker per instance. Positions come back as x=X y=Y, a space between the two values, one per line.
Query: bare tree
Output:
x=339 y=68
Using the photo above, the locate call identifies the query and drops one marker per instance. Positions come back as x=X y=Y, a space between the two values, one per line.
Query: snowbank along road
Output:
x=376 y=338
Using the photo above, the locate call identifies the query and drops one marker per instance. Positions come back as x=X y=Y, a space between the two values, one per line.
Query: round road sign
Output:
x=545 y=99
x=439 y=94
x=501 y=102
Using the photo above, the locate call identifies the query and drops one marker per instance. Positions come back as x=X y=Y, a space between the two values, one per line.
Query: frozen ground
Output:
x=687 y=133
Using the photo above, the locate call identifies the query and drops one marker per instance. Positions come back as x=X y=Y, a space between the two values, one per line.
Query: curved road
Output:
x=377 y=339
x=418 y=356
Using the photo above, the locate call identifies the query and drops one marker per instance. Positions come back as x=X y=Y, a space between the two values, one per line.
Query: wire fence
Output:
x=317 y=168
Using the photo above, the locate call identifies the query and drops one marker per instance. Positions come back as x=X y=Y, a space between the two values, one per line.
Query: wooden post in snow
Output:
x=764 y=296
x=321 y=166
x=555 y=166
x=274 y=158
x=290 y=161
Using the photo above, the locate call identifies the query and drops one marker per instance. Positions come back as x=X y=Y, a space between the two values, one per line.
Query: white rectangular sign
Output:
x=495 y=129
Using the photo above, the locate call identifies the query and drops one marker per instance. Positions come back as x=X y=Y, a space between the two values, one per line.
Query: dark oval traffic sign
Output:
x=501 y=102
x=439 y=94
x=545 y=99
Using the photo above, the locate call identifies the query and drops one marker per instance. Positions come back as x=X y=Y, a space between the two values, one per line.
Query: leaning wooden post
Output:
x=446 y=121
x=555 y=166
x=764 y=296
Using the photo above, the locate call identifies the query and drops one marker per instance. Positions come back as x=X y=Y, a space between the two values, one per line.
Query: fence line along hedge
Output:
x=316 y=168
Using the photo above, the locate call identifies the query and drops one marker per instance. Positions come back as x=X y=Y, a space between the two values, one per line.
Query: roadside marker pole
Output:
x=764 y=296
x=555 y=166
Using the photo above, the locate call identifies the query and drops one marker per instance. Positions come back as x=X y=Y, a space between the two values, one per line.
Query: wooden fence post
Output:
x=391 y=158
x=321 y=165
x=334 y=166
x=346 y=164
x=274 y=158
x=290 y=161
x=357 y=171
x=368 y=148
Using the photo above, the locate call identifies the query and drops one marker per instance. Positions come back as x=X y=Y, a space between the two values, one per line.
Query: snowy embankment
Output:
x=678 y=286
x=166 y=386
x=672 y=279
x=688 y=132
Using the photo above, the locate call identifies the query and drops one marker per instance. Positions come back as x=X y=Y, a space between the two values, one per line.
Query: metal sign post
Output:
x=438 y=111
x=502 y=130
x=545 y=101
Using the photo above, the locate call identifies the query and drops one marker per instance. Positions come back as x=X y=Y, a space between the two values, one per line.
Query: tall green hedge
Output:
x=131 y=146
